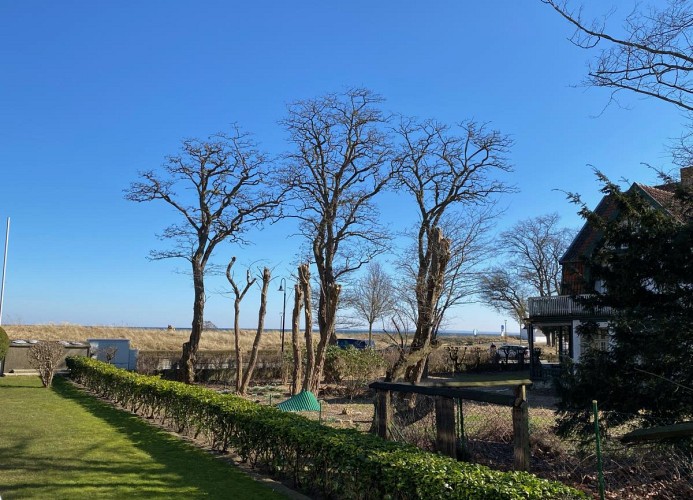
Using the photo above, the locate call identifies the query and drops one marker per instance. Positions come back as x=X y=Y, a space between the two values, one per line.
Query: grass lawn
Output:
x=64 y=444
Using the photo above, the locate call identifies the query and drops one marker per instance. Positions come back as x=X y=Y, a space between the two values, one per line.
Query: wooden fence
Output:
x=446 y=428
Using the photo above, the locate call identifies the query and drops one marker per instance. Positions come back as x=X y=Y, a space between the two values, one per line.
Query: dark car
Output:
x=355 y=343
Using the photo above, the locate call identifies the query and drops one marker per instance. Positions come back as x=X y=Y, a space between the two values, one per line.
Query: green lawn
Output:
x=64 y=444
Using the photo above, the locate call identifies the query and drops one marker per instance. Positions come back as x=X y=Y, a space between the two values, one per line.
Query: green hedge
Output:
x=4 y=343
x=338 y=463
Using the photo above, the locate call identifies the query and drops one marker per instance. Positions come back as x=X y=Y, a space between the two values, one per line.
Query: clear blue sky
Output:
x=93 y=92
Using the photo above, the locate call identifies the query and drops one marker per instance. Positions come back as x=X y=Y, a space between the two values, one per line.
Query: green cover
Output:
x=303 y=401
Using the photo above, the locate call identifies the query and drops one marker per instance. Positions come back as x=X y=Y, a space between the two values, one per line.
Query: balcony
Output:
x=562 y=306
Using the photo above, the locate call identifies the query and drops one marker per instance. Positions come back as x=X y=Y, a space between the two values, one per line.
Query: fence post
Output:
x=521 y=429
x=599 y=449
x=384 y=414
x=446 y=442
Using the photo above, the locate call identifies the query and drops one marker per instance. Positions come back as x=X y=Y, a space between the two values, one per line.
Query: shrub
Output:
x=353 y=368
x=337 y=463
x=45 y=357
x=4 y=343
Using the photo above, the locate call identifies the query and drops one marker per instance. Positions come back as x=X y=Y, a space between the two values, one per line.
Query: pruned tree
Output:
x=252 y=361
x=443 y=172
x=217 y=187
x=652 y=57
x=304 y=282
x=340 y=163
x=45 y=357
x=239 y=294
x=530 y=251
x=296 y=339
x=373 y=297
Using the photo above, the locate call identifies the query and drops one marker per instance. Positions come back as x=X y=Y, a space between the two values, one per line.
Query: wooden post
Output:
x=445 y=426
x=521 y=429
x=384 y=417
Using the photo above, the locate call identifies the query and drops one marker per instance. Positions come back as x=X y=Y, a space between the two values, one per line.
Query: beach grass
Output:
x=61 y=443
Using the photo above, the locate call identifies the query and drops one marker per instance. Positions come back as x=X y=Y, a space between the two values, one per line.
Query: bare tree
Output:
x=531 y=251
x=341 y=162
x=304 y=282
x=45 y=357
x=217 y=188
x=238 y=298
x=652 y=58
x=248 y=375
x=505 y=292
x=373 y=297
x=443 y=172
x=295 y=338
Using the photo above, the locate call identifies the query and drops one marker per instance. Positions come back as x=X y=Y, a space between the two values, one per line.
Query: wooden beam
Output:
x=683 y=429
x=446 y=442
x=384 y=414
x=521 y=430
x=449 y=392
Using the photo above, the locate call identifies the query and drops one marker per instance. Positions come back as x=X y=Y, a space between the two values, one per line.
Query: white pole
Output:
x=4 y=268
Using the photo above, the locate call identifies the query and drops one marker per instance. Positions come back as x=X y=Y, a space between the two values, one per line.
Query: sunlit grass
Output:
x=64 y=444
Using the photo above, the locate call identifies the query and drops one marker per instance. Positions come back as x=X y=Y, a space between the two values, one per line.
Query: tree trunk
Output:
x=260 y=328
x=187 y=360
x=304 y=279
x=326 y=319
x=237 y=342
x=295 y=339
x=439 y=248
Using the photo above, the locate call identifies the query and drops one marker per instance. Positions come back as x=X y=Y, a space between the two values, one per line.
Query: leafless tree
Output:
x=443 y=172
x=248 y=374
x=469 y=234
x=218 y=189
x=45 y=357
x=295 y=338
x=373 y=297
x=653 y=57
x=505 y=292
x=531 y=251
x=304 y=282
x=340 y=163
x=239 y=294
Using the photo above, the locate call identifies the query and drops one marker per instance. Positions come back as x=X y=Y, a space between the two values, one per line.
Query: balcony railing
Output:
x=563 y=305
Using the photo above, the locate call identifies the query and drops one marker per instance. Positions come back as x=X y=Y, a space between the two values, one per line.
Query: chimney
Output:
x=687 y=176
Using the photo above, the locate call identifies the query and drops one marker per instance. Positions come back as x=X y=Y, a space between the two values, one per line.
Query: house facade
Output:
x=559 y=317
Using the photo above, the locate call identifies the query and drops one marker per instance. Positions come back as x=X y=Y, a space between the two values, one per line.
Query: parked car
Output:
x=355 y=343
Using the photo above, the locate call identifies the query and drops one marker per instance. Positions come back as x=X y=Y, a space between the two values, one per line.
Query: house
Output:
x=558 y=317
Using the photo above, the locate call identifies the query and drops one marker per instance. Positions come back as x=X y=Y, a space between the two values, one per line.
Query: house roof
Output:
x=661 y=197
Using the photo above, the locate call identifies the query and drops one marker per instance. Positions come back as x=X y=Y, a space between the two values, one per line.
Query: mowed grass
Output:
x=61 y=443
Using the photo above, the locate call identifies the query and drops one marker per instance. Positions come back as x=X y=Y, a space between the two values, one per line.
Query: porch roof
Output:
x=563 y=307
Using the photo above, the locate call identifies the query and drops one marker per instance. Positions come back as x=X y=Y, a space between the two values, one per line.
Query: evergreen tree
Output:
x=645 y=261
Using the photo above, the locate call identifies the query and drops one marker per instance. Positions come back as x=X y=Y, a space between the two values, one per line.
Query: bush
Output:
x=4 y=343
x=337 y=463
x=353 y=368
x=45 y=357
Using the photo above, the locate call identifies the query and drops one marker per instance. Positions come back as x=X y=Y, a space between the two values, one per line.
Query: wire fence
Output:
x=662 y=470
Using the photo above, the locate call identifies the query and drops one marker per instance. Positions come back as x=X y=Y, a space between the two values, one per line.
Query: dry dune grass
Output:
x=144 y=339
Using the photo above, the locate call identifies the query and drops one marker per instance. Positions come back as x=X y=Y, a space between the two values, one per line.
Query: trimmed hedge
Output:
x=4 y=343
x=339 y=463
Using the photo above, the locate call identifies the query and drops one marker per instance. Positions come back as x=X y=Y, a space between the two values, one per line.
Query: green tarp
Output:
x=304 y=401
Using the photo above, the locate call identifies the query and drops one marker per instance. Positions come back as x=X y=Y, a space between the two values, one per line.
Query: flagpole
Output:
x=4 y=268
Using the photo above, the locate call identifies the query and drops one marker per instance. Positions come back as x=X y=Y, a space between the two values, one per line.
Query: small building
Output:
x=114 y=351
x=17 y=358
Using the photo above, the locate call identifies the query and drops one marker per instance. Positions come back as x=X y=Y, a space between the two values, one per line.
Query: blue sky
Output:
x=93 y=92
